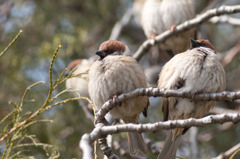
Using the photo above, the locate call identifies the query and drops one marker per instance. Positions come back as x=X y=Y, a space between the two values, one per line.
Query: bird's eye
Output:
x=109 y=51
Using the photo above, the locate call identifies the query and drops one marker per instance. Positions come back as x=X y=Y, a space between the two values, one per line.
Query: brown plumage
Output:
x=79 y=84
x=198 y=70
x=113 y=74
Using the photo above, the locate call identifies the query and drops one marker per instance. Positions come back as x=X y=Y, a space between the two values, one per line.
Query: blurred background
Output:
x=80 y=26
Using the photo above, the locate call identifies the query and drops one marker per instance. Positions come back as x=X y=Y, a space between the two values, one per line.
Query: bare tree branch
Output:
x=120 y=24
x=225 y=19
x=219 y=110
x=160 y=92
x=193 y=142
x=98 y=132
x=183 y=27
x=155 y=92
x=231 y=54
x=211 y=5
x=101 y=131
x=86 y=147
x=228 y=153
x=106 y=149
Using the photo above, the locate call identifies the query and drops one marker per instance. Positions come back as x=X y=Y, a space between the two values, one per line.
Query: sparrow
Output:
x=160 y=15
x=137 y=10
x=80 y=84
x=79 y=66
x=197 y=70
x=113 y=74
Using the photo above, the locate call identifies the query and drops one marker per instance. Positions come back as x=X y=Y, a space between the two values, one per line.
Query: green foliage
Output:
x=11 y=43
x=16 y=142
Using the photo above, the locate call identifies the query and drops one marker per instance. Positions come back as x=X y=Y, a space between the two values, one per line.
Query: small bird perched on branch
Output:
x=113 y=74
x=80 y=84
x=197 y=70
x=160 y=15
x=79 y=66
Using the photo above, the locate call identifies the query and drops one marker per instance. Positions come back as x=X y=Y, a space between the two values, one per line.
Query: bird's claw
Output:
x=115 y=100
x=172 y=28
x=153 y=36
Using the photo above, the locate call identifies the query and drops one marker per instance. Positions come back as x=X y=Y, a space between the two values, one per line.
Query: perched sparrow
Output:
x=198 y=70
x=113 y=74
x=80 y=84
x=161 y=15
x=137 y=10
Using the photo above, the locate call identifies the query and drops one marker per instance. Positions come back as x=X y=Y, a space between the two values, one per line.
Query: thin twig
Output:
x=51 y=66
x=156 y=92
x=35 y=115
x=228 y=154
x=225 y=19
x=20 y=124
x=27 y=89
x=65 y=101
x=193 y=142
x=45 y=106
x=212 y=5
x=59 y=94
x=98 y=132
x=120 y=24
x=86 y=147
x=101 y=131
x=7 y=116
x=14 y=39
x=50 y=77
x=230 y=55
x=58 y=81
x=144 y=48
x=106 y=149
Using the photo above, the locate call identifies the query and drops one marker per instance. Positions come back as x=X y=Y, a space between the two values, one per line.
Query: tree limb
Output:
x=101 y=131
x=120 y=24
x=184 y=27
x=98 y=132
x=225 y=19
x=156 y=92
x=86 y=147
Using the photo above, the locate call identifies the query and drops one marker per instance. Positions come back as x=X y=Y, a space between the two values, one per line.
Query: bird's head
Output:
x=72 y=65
x=201 y=43
x=112 y=47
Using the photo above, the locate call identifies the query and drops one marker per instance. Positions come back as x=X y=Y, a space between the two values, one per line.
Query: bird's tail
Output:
x=170 y=147
x=136 y=143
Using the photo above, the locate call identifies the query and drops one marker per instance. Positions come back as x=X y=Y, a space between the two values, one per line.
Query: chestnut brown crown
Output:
x=111 y=47
x=73 y=64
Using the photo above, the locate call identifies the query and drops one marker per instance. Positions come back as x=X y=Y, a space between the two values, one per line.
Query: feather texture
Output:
x=114 y=74
x=198 y=70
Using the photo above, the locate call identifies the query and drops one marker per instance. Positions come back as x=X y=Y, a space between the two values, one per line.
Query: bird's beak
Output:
x=194 y=44
x=101 y=53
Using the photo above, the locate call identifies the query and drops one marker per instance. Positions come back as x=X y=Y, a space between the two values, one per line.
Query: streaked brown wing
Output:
x=145 y=109
x=165 y=109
